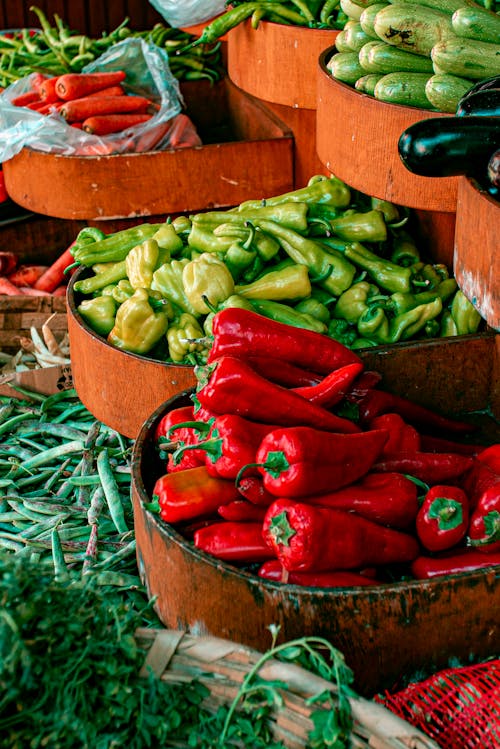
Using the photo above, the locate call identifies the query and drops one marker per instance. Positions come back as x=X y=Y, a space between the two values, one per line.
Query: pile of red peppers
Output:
x=294 y=461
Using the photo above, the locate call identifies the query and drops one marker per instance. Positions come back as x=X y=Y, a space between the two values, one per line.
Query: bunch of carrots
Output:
x=94 y=102
x=31 y=279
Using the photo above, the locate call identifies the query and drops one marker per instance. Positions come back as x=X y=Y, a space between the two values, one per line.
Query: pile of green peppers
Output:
x=323 y=257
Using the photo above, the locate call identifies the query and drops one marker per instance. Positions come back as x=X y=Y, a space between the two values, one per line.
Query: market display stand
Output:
x=277 y=64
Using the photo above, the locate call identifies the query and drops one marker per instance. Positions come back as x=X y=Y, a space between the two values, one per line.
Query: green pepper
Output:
x=390 y=210
x=363 y=343
x=447 y=325
x=388 y=275
x=235 y=300
x=400 y=302
x=113 y=274
x=360 y=227
x=465 y=316
x=429 y=275
x=207 y=281
x=342 y=331
x=315 y=308
x=293 y=215
x=355 y=300
x=169 y=240
x=184 y=338
x=122 y=290
x=138 y=326
x=320 y=190
x=181 y=224
x=404 y=250
x=375 y=325
x=203 y=239
x=114 y=247
x=237 y=258
x=99 y=312
x=328 y=269
x=288 y=315
x=167 y=279
x=141 y=262
x=291 y=282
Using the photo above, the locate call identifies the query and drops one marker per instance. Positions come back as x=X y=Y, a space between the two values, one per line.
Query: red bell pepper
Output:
x=479 y=478
x=402 y=436
x=333 y=387
x=240 y=332
x=253 y=489
x=465 y=560
x=491 y=457
x=301 y=461
x=282 y=372
x=484 y=527
x=432 y=468
x=231 y=386
x=273 y=570
x=443 y=517
x=242 y=511
x=231 y=444
x=172 y=431
x=316 y=539
x=192 y=493
x=386 y=498
x=233 y=542
x=377 y=402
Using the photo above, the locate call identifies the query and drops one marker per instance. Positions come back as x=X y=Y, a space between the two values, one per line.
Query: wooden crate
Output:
x=19 y=313
x=247 y=152
x=386 y=632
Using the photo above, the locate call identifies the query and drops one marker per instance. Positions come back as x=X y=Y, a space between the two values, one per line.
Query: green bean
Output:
x=75 y=446
x=10 y=544
x=96 y=505
x=16 y=451
x=111 y=492
x=56 y=475
x=39 y=517
x=91 y=550
x=14 y=421
x=61 y=431
x=51 y=508
x=117 y=579
x=126 y=551
x=60 y=569
x=33 y=479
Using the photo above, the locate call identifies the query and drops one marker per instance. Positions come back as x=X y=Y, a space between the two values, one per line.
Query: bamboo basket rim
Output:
x=176 y=656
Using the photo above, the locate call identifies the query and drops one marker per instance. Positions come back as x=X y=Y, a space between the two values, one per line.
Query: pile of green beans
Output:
x=56 y=49
x=65 y=489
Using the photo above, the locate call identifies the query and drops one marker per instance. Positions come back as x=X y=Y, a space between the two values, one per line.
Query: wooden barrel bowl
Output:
x=475 y=262
x=119 y=388
x=387 y=632
x=357 y=140
x=278 y=63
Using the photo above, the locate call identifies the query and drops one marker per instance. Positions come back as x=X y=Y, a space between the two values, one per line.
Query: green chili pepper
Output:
x=429 y=275
x=342 y=331
x=291 y=282
x=447 y=327
x=99 y=312
x=112 y=248
x=399 y=302
x=288 y=315
x=122 y=290
x=465 y=316
x=315 y=308
x=114 y=273
x=167 y=279
x=384 y=273
x=202 y=238
x=320 y=190
x=404 y=250
x=390 y=210
x=335 y=271
x=360 y=227
x=375 y=325
x=292 y=214
x=237 y=259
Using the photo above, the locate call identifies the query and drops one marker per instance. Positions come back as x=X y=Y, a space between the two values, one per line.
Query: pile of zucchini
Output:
x=419 y=53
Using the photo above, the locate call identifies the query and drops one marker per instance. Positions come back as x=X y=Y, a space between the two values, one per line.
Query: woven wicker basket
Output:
x=222 y=665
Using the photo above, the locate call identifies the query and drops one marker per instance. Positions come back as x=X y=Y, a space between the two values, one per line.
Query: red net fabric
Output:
x=458 y=707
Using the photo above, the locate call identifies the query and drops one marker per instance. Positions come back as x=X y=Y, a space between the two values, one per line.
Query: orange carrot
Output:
x=48 y=90
x=26 y=275
x=183 y=133
x=110 y=91
x=8 y=288
x=148 y=140
x=75 y=85
x=30 y=291
x=79 y=109
x=60 y=290
x=37 y=80
x=54 y=275
x=78 y=125
x=36 y=105
x=28 y=98
x=113 y=123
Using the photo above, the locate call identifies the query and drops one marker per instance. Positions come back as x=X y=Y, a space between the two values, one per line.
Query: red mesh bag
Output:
x=458 y=707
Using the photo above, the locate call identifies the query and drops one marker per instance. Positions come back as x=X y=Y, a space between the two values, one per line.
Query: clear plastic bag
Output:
x=188 y=12
x=148 y=74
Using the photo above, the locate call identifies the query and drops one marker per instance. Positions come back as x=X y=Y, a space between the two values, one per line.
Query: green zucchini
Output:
x=467 y=58
x=354 y=35
x=407 y=89
x=444 y=91
x=473 y=22
x=412 y=27
x=341 y=44
x=345 y=67
x=445 y=6
x=366 y=84
x=352 y=11
x=367 y=19
x=380 y=57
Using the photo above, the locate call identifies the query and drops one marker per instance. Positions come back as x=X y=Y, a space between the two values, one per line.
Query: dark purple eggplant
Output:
x=450 y=146
x=484 y=85
x=494 y=169
x=485 y=103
